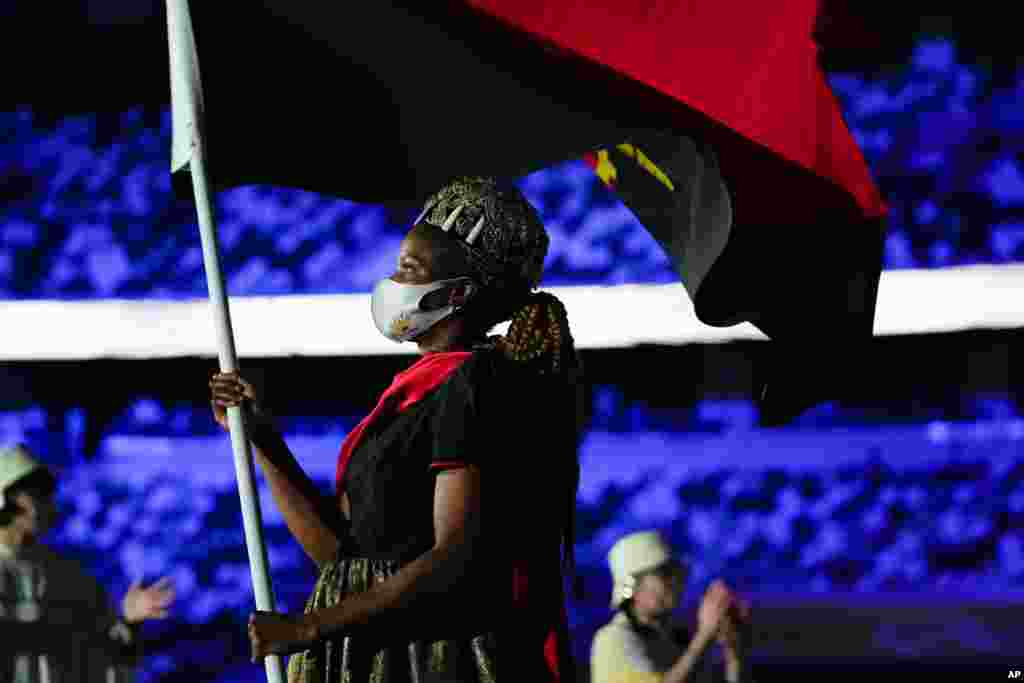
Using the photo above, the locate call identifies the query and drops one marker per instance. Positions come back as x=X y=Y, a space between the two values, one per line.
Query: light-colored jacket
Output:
x=621 y=654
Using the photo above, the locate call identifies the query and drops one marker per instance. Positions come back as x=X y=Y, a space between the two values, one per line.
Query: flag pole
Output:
x=187 y=150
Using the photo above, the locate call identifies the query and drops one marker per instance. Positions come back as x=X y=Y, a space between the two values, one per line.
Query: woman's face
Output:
x=416 y=259
x=658 y=592
x=425 y=256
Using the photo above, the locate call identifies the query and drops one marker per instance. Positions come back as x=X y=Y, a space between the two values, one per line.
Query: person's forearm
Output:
x=311 y=517
x=396 y=604
x=686 y=665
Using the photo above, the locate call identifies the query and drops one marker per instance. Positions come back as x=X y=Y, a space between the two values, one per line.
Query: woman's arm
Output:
x=686 y=666
x=734 y=637
x=438 y=571
x=313 y=518
x=392 y=605
x=713 y=609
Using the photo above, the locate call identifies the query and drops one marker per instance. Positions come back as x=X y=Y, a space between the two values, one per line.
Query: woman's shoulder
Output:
x=489 y=369
x=486 y=364
x=471 y=378
x=617 y=628
x=490 y=372
x=490 y=360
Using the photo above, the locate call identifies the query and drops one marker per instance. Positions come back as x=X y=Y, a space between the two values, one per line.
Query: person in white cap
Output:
x=641 y=644
x=58 y=623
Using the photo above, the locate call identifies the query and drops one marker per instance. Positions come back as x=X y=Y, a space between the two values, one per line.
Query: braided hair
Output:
x=502 y=241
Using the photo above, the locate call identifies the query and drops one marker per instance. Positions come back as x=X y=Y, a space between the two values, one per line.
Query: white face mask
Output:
x=397 y=311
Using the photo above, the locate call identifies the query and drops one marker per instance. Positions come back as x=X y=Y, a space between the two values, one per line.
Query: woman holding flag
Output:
x=447 y=538
x=732 y=153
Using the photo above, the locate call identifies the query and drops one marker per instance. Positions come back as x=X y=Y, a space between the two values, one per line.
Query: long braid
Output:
x=539 y=335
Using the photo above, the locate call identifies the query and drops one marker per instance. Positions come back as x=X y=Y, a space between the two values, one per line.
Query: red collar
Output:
x=408 y=388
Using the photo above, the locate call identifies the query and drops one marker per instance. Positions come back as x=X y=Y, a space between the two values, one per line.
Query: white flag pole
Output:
x=187 y=149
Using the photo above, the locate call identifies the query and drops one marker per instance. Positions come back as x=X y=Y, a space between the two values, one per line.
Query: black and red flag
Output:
x=712 y=121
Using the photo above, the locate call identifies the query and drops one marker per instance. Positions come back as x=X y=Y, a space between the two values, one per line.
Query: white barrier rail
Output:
x=909 y=302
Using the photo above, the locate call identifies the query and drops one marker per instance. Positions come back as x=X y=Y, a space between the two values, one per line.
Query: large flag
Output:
x=711 y=119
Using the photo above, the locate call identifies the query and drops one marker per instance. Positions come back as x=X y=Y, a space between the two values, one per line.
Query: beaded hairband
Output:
x=450 y=221
x=487 y=264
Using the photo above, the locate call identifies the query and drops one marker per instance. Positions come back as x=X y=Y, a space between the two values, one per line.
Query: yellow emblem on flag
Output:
x=606 y=171
x=645 y=163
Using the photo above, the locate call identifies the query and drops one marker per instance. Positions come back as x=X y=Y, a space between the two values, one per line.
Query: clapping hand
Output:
x=714 y=607
x=151 y=602
x=734 y=634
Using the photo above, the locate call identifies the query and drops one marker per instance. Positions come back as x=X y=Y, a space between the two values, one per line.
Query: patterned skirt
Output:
x=349 y=659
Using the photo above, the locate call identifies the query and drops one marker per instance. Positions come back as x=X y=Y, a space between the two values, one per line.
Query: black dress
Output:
x=520 y=429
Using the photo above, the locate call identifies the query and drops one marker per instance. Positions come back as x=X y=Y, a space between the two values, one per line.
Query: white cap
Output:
x=16 y=462
x=631 y=555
